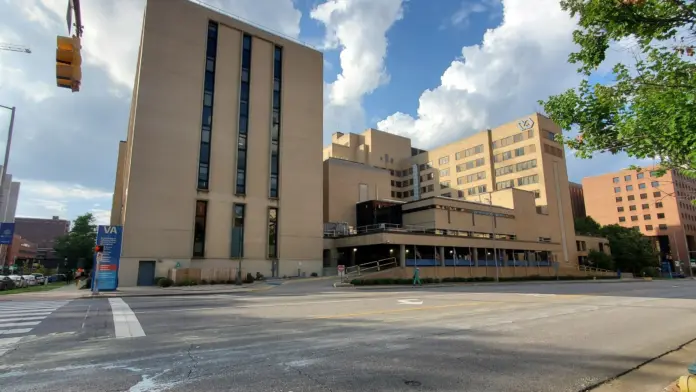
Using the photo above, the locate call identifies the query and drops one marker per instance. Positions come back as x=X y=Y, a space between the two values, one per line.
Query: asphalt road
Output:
x=515 y=337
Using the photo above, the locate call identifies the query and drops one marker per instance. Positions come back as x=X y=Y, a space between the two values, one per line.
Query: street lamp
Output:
x=4 y=168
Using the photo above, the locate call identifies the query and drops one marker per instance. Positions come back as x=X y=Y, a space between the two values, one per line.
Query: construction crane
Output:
x=14 y=48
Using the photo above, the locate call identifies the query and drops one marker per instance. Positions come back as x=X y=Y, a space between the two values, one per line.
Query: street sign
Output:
x=178 y=265
x=110 y=238
x=6 y=233
x=341 y=270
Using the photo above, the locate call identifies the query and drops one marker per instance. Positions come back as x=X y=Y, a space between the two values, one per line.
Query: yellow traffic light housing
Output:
x=68 y=63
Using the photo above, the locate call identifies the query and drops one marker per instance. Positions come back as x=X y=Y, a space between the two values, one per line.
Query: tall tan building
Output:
x=660 y=207
x=223 y=155
x=522 y=154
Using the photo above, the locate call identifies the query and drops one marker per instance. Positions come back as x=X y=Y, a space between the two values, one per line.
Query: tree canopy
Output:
x=587 y=226
x=648 y=110
x=631 y=251
x=78 y=245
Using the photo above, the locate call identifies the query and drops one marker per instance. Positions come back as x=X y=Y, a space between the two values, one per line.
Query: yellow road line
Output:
x=346 y=315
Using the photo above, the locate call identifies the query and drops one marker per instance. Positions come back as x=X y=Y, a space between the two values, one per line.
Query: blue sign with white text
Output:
x=110 y=238
x=6 y=233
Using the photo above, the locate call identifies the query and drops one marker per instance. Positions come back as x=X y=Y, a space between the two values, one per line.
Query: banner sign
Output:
x=110 y=238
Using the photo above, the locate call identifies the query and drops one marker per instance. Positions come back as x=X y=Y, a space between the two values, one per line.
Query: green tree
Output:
x=631 y=250
x=587 y=226
x=78 y=244
x=649 y=110
x=600 y=259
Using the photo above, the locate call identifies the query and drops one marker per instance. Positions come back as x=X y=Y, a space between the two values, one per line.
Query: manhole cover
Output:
x=412 y=383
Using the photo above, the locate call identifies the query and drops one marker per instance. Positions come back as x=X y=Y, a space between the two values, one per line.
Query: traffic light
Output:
x=68 y=63
x=99 y=248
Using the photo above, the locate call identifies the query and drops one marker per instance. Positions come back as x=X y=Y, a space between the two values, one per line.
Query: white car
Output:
x=19 y=281
x=31 y=280
x=39 y=278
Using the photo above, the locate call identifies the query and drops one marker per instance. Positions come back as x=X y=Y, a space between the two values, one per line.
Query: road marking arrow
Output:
x=410 y=302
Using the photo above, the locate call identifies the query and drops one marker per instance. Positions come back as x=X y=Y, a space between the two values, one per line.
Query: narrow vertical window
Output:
x=237 y=231
x=272 y=233
x=275 y=120
x=243 y=116
x=207 y=117
x=199 y=228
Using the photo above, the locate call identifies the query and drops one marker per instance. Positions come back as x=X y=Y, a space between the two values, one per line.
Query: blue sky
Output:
x=434 y=71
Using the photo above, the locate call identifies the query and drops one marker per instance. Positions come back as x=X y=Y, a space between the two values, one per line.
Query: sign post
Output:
x=341 y=271
x=107 y=261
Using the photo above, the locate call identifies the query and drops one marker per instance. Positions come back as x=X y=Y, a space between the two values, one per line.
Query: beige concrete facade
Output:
x=587 y=243
x=521 y=154
x=167 y=195
x=659 y=207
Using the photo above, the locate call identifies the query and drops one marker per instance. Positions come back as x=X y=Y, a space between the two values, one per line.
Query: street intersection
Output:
x=297 y=337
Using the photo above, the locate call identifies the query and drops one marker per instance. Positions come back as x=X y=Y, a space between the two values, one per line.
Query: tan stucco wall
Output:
x=342 y=188
x=164 y=142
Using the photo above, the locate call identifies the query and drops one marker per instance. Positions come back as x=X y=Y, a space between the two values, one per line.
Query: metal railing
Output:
x=586 y=268
x=371 y=266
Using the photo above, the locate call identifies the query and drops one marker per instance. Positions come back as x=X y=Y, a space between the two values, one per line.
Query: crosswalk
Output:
x=19 y=318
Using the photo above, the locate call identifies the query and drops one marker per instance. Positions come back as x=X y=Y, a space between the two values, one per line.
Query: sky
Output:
x=434 y=71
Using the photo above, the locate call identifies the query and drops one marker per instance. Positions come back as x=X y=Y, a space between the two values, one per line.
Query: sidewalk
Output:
x=154 y=291
x=69 y=291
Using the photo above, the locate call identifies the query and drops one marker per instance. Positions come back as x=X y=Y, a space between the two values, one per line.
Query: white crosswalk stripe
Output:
x=18 y=318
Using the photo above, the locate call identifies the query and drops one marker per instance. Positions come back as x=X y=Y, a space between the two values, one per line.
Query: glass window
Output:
x=616 y=180
x=656 y=194
x=199 y=228
x=631 y=197
x=645 y=206
x=640 y=175
x=634 y=218
x=617 y=189
x=643 y=196
x=619 y=209
x=622 y=219
x=627 y=178
x=629 y=187
x=661 y=216
x=648 y=227
x=655 y=184
x=237 y=243
x=641 y=185
x=647 y=217
x=632 y=208
x=443 y=160
x=658 y=204
x=663 y=226
x=618 y=199
x=272 y=233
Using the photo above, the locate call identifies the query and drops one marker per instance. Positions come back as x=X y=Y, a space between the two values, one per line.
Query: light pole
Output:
x=4 y=171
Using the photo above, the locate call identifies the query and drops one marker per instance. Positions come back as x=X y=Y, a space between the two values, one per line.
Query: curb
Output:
x=464 y=284
x=175 y=294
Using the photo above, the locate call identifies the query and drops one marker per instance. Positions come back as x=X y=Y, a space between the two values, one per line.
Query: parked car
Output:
x=31 y=280
x=39 y=278
x=19 y=281
x=6 y=283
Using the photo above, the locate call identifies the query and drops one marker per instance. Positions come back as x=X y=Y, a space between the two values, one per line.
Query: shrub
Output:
x=165 y=282
x=157 y=280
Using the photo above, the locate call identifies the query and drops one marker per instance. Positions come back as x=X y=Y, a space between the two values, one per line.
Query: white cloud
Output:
x=43 y=198
x=112 y=29
x=499 y=80
x=358 y=28
x=468 y=9
x=101 y=217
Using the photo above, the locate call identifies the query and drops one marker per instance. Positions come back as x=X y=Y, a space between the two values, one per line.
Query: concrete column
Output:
x=402 y=255
x=333 y=257
x=475 y=256
x=443 y=256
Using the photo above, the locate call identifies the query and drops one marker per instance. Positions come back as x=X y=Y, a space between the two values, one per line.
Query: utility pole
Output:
x=3 y=172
